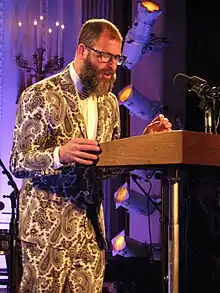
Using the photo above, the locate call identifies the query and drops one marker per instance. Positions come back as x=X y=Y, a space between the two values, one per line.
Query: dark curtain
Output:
x=203 y=241
x=96 y=9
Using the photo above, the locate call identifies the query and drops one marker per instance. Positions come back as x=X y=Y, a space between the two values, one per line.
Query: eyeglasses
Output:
x=107 y=57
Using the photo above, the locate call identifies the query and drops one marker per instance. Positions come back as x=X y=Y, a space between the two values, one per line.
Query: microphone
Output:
x=2 y=206
x=197 y=85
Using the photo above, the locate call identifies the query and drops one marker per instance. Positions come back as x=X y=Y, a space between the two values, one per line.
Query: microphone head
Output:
x=198 y=81
x=182 y=80
x=189 y=83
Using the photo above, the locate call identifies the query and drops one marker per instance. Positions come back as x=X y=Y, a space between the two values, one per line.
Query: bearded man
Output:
x=59 y=124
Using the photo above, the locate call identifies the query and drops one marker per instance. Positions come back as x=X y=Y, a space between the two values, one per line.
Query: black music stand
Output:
x=13 y=245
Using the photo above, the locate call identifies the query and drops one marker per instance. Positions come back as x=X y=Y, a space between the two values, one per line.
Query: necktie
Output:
x=84 y=94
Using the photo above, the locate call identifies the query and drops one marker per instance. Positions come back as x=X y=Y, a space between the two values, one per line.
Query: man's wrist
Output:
x=56 y=155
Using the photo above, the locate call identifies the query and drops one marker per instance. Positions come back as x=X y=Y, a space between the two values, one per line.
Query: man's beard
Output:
x=93 y=81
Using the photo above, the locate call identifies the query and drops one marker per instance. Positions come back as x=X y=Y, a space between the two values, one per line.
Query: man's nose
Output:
x=112 y=64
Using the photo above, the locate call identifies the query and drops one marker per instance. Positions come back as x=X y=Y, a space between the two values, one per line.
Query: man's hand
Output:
x=79 y=150
x=158 y=124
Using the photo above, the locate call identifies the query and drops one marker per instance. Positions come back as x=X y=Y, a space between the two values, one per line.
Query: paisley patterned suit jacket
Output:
x=51 y=199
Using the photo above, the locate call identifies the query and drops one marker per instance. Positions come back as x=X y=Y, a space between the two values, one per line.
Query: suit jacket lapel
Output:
x=72 y=98
x=101 y=119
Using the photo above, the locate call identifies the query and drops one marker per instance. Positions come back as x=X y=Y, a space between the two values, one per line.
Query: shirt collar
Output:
x=75 y=78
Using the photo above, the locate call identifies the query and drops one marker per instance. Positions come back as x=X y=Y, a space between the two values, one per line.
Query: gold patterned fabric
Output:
x=54 y=202
x=80 y=268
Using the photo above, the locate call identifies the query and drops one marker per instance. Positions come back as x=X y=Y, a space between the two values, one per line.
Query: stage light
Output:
x=139 y=40
x=128 y=247
x=139 y=105
x=150 y=6
x=133 y=201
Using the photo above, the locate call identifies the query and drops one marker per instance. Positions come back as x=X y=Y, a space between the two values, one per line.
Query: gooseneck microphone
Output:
x=210 y=98
x=197 y=85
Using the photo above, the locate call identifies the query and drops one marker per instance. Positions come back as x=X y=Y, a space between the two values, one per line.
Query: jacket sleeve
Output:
x=33 y=148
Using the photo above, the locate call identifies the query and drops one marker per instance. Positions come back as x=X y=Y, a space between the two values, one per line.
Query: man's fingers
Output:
x=86 y=148
x=155 y=124
x=82 y=161
x=165 y=121
x=84 y=141
x=168 y=125
x=158 y=118
x=84 y=158
x=85 y=144
x=84 y=155
x=160 y=125
x=79 y=150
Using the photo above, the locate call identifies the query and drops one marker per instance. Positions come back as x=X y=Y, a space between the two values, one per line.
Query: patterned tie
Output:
x=84 y=94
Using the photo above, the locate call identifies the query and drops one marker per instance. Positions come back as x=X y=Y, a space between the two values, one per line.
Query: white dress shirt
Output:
x=88 y=108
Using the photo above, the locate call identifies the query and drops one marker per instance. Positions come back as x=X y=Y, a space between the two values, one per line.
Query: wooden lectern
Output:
x=170 y=151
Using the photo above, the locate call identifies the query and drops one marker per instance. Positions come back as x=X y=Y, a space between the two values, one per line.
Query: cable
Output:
x=149 y=223
x=147 y=194
x=134 y=178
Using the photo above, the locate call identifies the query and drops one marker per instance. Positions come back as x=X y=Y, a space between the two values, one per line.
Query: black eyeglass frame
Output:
x=118 y=58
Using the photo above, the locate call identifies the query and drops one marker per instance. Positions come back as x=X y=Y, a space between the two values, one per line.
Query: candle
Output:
x=49 y=43
x=61 y=53
x=35 y=36
x=41 y=32
x=57 y=38
x=19 y=38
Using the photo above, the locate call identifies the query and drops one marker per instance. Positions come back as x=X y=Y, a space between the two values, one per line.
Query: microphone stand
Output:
x=13 y=227
x=207 y=105
x=210 y=104
x=211 y=108
x=208 y=120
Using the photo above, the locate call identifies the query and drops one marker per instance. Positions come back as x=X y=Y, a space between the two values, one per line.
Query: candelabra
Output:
x=40 y=69
x=41 y=64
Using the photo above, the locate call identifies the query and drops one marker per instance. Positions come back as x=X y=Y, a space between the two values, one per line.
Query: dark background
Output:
x=201 y=208
x=202 y=53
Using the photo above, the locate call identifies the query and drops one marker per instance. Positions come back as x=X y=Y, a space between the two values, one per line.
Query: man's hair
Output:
x=93 y=28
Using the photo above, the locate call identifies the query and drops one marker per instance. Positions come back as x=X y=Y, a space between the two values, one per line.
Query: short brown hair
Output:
x=93 y=28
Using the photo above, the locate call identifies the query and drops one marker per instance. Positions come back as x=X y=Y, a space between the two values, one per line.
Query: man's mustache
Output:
x=106 y=71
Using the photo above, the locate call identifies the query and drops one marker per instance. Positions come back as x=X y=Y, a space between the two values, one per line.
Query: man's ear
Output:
x=81 y=51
